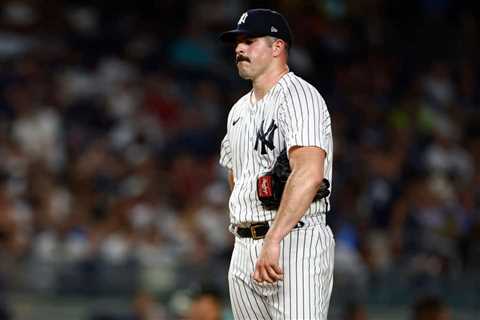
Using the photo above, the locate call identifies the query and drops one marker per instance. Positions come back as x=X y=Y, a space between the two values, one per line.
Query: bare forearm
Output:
x=299 y=192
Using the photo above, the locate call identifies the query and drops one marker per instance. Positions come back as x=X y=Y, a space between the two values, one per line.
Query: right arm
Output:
x=226 y=160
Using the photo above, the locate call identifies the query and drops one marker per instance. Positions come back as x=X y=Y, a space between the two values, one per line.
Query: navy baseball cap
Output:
x=259 y=23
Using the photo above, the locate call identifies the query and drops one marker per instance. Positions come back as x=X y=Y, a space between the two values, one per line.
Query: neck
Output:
x=266 y=81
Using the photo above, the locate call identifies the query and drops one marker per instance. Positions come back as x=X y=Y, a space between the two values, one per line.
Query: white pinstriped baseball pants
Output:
x=306 y=258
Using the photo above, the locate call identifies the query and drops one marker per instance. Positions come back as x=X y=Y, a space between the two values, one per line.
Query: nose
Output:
x=240 y=48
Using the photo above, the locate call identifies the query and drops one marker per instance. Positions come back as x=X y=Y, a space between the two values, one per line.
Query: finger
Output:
x=278 y=270
x=274 y=274
x=256 y=275
x=265 y=276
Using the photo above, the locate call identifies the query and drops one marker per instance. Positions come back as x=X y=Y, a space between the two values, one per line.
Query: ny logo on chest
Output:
x=265 y=138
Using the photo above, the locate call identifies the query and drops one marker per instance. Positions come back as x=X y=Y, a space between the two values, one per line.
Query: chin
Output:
x=244 y=75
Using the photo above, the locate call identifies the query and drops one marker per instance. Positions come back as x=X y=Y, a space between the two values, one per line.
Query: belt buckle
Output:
x=253 y=230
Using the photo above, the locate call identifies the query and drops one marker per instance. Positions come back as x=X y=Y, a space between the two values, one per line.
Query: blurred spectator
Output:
x=425 y=232
x=144 y=307
x=205 y=305
x=355 y=311
x=446 y=157
x=430 y=308
x=438 y=85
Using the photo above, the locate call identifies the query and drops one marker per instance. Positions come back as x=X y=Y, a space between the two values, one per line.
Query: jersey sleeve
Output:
x=226 y=153
x=304 y=118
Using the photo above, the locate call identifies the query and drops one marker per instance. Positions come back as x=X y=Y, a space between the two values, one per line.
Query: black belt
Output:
x=258 y=230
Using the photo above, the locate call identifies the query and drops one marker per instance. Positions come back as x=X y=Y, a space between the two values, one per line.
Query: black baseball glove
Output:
x=270 y=186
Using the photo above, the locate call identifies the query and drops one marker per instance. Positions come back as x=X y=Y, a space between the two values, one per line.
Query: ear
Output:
x=278 y=46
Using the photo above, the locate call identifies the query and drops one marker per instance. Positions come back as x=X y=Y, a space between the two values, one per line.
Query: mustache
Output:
x=240 y=58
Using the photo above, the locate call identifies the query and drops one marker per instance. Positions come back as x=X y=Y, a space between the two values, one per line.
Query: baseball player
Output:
x=282 y=262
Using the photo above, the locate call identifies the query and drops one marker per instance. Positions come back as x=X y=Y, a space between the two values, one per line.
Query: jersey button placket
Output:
x=251 y=129
x=251 y=138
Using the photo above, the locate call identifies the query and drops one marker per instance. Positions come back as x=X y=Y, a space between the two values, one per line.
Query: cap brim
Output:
x=232 y=35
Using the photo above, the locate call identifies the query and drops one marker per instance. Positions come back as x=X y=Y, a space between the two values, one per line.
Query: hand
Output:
x=267 y=267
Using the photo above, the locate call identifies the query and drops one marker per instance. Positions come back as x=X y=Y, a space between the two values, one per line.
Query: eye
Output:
x=249 y=41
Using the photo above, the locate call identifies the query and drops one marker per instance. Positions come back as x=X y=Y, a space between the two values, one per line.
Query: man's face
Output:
x=252 y=56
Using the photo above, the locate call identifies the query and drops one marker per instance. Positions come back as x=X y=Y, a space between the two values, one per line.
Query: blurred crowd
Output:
x=111 y=120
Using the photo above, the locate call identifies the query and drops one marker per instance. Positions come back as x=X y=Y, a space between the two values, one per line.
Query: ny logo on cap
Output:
x=243 y=18
x=273 y=29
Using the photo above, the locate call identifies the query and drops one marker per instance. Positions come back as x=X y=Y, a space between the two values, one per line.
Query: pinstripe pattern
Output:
x=307 y=260
x=306 y=255
x=302 y=118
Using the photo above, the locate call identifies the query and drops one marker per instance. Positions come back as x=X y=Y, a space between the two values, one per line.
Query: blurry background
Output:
x=112 y=202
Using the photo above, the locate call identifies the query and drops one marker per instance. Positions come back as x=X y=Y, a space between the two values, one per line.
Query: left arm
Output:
x=307 y=165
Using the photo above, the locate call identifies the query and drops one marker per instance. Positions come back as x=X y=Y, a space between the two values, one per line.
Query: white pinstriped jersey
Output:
x=292 y=113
